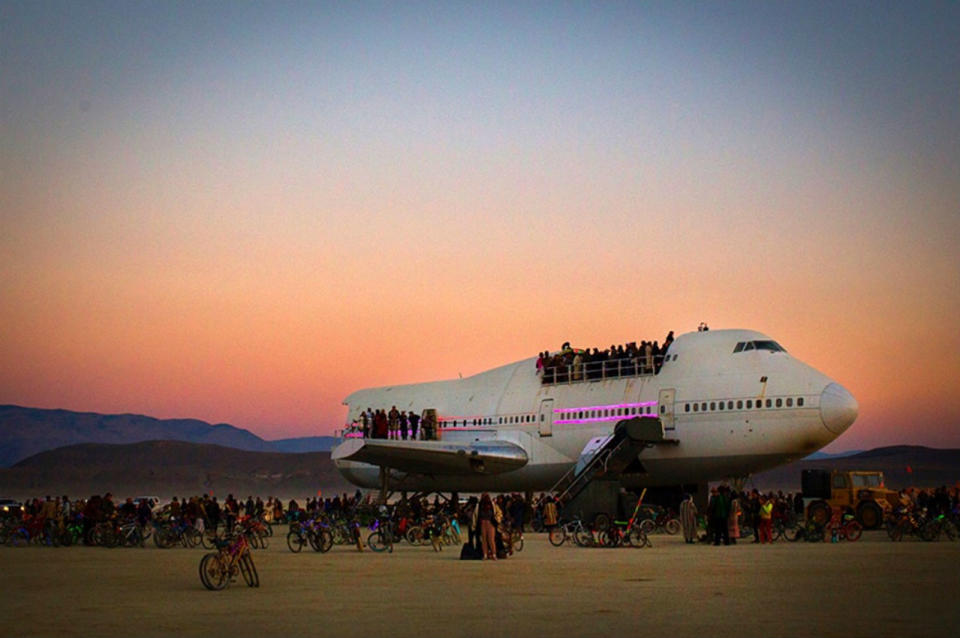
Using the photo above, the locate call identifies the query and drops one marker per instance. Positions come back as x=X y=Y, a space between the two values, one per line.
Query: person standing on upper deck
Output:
x=394 y=423
x=413 y=420
x=667 y=342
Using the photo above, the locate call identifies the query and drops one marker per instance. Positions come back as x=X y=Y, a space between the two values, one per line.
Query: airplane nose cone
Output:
x=838 y=408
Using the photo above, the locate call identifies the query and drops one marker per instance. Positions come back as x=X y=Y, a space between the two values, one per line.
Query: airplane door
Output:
x=545 y=417
x=666 y=409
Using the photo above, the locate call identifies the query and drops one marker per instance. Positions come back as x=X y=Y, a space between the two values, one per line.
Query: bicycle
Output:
x=905 y=523
x=310 y=532
x=843 y=527
x=937 y=526
x=632 y=532
x=657 y=519
x=168 y=534
x=255 y=531
x=72 y=532
x=381 y=538
x=574 y=529
x=218 y=569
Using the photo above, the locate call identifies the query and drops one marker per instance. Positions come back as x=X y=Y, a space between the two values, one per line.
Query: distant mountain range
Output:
x=902 y=466
x=27 y=431
x=819 y=456
x=168 y=468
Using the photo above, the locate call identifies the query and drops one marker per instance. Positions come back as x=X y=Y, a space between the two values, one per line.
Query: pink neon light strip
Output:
x=605 y=407
x=605 y=418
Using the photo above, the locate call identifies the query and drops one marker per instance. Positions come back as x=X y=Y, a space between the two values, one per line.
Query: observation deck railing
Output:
x=601 y=370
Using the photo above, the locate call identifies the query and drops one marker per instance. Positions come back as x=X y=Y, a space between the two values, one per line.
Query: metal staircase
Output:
x=629 y=438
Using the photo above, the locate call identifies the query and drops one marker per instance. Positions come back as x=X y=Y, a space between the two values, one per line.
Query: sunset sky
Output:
x=241 y=212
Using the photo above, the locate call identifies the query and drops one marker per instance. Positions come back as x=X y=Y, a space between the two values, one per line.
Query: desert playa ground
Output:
x=869 y=588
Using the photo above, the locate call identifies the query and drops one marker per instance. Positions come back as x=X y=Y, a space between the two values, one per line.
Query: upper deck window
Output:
x=771 y=346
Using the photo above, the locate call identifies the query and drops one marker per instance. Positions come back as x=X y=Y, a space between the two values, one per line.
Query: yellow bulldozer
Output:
x=858 y=492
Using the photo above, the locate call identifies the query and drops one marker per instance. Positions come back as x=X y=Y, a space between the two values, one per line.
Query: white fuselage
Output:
x=701 y=394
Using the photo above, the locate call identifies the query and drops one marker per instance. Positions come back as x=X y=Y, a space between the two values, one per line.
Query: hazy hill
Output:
x=305 y=444
x=167 y=468
x=27 y=431
x=928 y=467
x=827 y=455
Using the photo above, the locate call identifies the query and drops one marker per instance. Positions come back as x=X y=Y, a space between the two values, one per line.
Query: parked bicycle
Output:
x=382 y=537
x=218 y=569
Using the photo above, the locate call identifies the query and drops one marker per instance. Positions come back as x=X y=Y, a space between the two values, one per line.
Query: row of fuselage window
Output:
x=531 y=418
x=705 y=406
x=741 y=404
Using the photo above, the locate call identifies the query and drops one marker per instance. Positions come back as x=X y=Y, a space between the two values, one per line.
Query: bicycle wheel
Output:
x=295 y=541
x=930 y=531
x=852 y=531
x=209 y=540
x=518 y=542
x=213 y=573
x=583 y=537
x=608 y=538
x=108 y=538
x=249 y=571
x=416 y=536
x=813 y=533
x=18 y=538
x=326 y=541
x=778 y=531
x=648 y=526
x=192 y=537
x=557 y=536
x=163 y=538
x=377 y=542
x=793 y=534
x=672 y=526
x=638 y=538
x=132 y=537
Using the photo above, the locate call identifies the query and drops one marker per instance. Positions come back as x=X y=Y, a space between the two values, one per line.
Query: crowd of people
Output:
x=728 y=511
x=199 y=511
x=574 y=364
x=395 y=424
x=941 y=500
x=492 y=522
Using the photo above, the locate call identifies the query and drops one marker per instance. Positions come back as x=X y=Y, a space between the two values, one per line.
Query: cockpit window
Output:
x=771 y=346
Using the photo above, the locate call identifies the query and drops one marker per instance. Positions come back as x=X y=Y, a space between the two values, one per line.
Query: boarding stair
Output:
x=630 y=437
